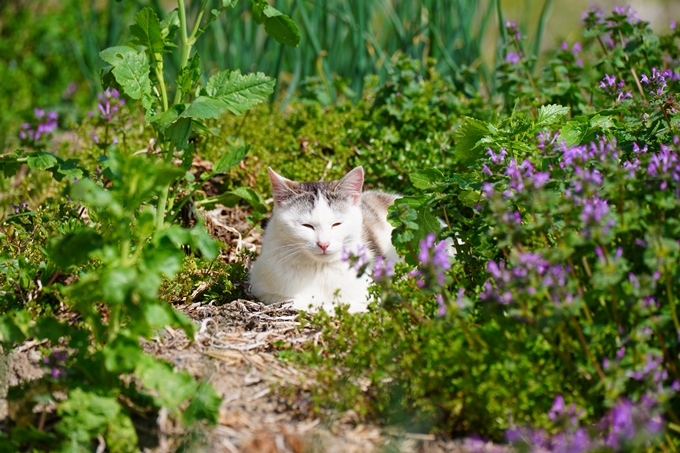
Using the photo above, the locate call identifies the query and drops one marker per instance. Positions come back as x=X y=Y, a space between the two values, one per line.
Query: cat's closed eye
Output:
x=306 y=225
x=336 y=224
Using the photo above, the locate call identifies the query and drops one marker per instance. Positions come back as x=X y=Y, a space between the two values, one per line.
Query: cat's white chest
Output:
x=309 y=284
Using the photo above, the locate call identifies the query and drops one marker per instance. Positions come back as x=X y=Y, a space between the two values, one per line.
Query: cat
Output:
x=311 y=225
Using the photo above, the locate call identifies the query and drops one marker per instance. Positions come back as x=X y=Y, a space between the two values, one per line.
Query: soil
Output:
x=265 y=401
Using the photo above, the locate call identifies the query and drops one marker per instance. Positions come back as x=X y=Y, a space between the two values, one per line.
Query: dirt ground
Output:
x=233 y=351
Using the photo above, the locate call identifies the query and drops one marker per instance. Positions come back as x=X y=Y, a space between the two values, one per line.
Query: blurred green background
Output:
x=49 y=48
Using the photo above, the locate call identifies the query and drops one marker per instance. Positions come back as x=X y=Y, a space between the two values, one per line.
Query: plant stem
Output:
x=185 y=47
x=584 y=343
x=671 y=300
x=158 y=69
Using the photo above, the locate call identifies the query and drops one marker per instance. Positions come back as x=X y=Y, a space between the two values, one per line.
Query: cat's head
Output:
x=318 y=219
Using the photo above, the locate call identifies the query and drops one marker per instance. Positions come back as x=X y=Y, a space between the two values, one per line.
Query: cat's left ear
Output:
x=352 y=184
x=280 y=187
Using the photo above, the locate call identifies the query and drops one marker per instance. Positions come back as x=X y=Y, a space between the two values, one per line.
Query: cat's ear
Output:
x=352 y=183
x=280 y=187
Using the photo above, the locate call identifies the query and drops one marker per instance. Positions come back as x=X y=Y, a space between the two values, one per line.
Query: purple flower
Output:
x=512 y=30
x=657 y=81
x=513 y=58
x=434 y=261
x=442 y=306
x=485 y=170
x=384 y=268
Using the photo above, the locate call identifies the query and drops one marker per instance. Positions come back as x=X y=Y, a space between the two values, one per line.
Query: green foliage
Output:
x=123 y=248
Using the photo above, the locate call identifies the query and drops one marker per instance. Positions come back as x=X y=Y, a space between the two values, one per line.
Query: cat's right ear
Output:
x=280 y=187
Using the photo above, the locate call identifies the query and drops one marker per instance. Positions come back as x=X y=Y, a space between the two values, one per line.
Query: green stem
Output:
x=185 y=47
x=160 y=210
x=671 y=300
x=158 y=69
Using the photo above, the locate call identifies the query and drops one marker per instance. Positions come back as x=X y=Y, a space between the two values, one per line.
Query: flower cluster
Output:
x=434 y=262
x=19 y=207
x=109 y=103
x=617 y=91
x=657 y=81
x=665 y=165
x=513 y=30
x=575 y=51
x=626 y=426
x=358 y=260
x=41 y=128
x=531 y=274
x=56 y=362
x=525 y=175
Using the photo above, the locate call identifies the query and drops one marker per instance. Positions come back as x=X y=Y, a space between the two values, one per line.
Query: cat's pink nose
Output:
x=323 y=245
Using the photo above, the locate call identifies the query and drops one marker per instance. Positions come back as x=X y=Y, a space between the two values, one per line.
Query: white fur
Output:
x=293 y=267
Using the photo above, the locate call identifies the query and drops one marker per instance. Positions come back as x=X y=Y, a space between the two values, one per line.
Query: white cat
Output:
x=312 y=223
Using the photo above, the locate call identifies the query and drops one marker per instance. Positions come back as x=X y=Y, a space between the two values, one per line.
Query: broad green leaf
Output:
x=147 y=31
x=178 y=133
x=130 y=68
x=91 y=194
x=253 y=198
x=549 y=114
x=75 y=248
x=470 y=198
x=204 y=242
x=281 y=27
x=204 y=405
x=40 y=160
x=116 y=284
x=240 y=92
x=426 y=179
x=468 y=137
x=163 y=120
x=68 y=169
x=173 y=388
x=9 y=164
x=230 y=160
x=572 y=133
x=204 y=107
x=121 y=355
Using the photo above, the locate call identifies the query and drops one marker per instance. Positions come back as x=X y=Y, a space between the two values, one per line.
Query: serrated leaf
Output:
x=130 y=68
x=549 y=114
x=281 y=27
x=468 y=137
x=147 y=31
x=41 y=160
x=235 y=92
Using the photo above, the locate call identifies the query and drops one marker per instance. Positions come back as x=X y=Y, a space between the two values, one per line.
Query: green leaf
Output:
x=91 y=194
x=230 y=160
x=121 y=354
x=9 y=164
x=204 y=405
x=205 y=243
x=75 y=248
x=130 y=68
x=549 y=114
x=190 y=74
x=116 y=284
x=468 y=137
x=204 y=108
x=253 y=198
x=281 y=27
x=40 y=160
x=172 y=388
x=426 y=179
x=240 y=92
x=68 y=169
x=572 y=133
x=147 y=31
x=179 y=132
